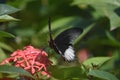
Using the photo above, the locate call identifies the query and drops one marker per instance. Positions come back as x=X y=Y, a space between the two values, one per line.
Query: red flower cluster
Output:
x=31 y=59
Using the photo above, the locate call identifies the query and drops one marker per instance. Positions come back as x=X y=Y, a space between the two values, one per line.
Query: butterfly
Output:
x=62 y=44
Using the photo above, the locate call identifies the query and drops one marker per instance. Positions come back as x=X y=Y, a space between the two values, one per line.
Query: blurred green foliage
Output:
x=100 y=20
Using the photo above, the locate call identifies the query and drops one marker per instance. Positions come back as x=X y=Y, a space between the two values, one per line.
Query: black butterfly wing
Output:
x=63 y=42
x=68 y=36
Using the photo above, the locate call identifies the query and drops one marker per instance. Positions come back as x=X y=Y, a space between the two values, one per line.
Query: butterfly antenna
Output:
x=49 y=26
x=51 y=42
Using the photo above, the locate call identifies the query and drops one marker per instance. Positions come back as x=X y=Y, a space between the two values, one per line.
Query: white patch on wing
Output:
x=69 y=54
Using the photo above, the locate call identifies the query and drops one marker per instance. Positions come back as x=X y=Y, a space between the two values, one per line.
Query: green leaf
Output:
x=97 y=2
x=110 y=36
x=110 y=40
x=6 y=34
x=103 y=8
x=63 y=73
x=96 y=61
x=6 y=18
x=15 y=70
x=2 y=55
x=7 y=9
x=5 y=46
x=114 y=18
x=102 y=75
